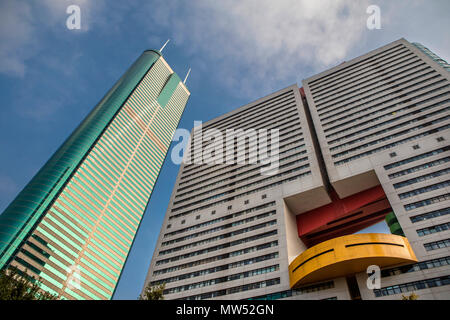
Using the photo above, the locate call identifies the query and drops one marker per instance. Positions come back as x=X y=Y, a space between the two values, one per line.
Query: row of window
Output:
x=400 y=62
x=433 y=229
x=233 y=168
x=349 y=102
x=362 y=106
x=318 y=84
x=396 y=143
x=242 y=140
x=388 y=106
x=395 y=135
x=239 y=195
x=430 y=215
x=421 y=178
x=262 y=106
x=395 y=118
x=244 y=162
x=234 y=181
x=295 y=292
x=419 y=167
x=288 y=111
x=246 y=186
x=418 y=157
x=232 y=277
x=427 y=202
x=223 y=218
x=218 y=247
x=357 y=70
x=373 y=83
x=246 y=287
x=388 y=129
x=435 y=245
x=217 y=258
x=217 y=269
x=412 y=286
x=222 y=227
x=424 y=265
x=194 y=176
x=418 y=191
x=219 y=237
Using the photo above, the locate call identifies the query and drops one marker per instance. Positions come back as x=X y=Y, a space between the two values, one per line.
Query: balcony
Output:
x=348 y=255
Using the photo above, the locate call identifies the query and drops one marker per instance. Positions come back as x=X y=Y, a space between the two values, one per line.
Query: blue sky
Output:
x=51 y=77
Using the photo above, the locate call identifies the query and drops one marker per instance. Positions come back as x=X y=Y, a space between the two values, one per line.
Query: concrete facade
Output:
x=379 y=119
x=370 y=115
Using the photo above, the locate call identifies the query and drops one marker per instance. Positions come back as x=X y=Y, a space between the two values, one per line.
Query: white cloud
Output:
x=252 y=47
x=16 y=34
x=258 y=43
x=23 y=25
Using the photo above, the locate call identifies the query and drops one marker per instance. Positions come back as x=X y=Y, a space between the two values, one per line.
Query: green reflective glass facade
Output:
x=74 y=223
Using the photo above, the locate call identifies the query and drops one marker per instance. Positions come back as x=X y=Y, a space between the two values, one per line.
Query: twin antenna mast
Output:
x=189 y=71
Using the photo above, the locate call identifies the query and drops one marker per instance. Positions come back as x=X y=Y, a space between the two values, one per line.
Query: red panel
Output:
x=302 y=92
x=348 y=212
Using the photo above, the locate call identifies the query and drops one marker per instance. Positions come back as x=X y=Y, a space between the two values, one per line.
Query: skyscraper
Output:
x=382 y=121
x=361 y=143
x=74 y=223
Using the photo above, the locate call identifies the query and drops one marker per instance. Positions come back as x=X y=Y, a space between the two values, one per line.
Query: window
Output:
x=412 y=286
x=429 y=264
x=430 y=215
x=433 y=229
x=437 y=245
x=298 y=291
x=427 y=202
x=213 y=212
x=440 y=139
x=212 y=269
x=168 y=226
x=219 y=237
x=246 y=202
x=264 y=196
x=392 y=154
x=183 y=221
x=197 y=217
x=419 y=157
x=416 y=146
x=424 y=189
x=215 y=248
x=230 y=207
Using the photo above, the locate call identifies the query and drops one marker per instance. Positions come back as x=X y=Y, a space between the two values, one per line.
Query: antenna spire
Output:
x=187 y=75
x=160 y=50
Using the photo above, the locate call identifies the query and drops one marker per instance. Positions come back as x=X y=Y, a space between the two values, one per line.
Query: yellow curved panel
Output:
x=348 y=255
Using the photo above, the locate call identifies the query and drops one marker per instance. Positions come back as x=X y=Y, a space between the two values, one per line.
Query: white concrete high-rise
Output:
x=364 y=142
x=384 y=119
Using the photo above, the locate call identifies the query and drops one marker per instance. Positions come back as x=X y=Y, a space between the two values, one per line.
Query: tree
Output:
x=18 y=285
x=412 y=296
x=153 y=292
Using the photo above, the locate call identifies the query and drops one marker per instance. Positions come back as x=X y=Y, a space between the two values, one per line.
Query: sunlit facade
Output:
x=362 y=143
x=74 y=223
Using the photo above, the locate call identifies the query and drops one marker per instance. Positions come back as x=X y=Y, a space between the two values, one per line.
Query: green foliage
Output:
x=153 y=292
x=17 y=285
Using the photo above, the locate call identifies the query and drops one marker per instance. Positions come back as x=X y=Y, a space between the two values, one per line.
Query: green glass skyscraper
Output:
x=74 y=223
